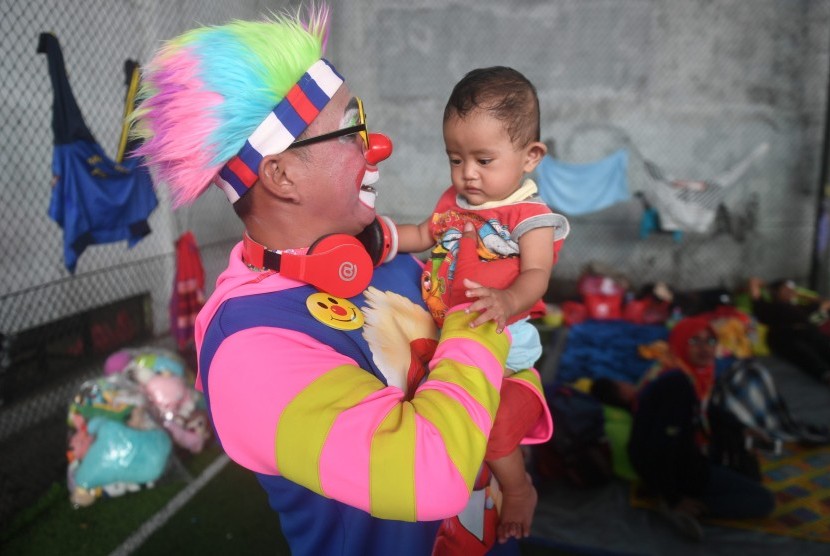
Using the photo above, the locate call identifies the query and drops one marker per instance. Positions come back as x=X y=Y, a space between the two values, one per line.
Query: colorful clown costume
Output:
x=345 y=412
x=364 y=426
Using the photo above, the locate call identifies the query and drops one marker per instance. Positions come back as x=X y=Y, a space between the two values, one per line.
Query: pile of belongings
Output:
x=126 y=426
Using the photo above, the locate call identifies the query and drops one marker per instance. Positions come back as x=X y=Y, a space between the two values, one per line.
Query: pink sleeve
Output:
x=282 y=403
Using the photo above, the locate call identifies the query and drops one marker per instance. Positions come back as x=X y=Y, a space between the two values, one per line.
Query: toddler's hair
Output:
x=505 y=94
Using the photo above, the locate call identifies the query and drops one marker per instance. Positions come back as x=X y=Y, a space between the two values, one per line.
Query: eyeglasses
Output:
x=360 y=128
x=708 y=341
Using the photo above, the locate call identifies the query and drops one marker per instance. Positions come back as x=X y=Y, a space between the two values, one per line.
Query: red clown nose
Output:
x=380 y=148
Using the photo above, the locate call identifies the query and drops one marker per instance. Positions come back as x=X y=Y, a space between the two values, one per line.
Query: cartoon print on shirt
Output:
x=433 y=288
x=493 y=242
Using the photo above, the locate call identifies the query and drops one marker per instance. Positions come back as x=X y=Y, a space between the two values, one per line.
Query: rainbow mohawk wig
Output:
x=206 y=92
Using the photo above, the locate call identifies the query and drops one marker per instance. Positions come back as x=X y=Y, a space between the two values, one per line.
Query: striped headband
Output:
x=281 y=127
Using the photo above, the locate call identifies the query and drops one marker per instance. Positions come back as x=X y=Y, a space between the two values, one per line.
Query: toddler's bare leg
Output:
x=518 y=496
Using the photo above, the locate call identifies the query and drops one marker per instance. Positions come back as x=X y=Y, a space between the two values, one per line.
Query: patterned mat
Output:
x=800 y=479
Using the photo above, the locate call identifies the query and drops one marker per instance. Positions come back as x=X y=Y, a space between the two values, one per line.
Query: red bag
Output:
x=603 y=307
x=602 y=295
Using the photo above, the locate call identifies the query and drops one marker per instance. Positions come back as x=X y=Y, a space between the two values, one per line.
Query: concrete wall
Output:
x=693 y=86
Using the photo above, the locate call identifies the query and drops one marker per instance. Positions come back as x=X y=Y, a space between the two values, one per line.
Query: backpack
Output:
x=579 y=449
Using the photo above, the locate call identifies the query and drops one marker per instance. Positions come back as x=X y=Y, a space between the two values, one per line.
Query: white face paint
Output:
x=334 y=174
x=368 y=193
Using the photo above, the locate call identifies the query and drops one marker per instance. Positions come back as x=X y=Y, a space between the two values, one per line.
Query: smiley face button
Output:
x=335 y=312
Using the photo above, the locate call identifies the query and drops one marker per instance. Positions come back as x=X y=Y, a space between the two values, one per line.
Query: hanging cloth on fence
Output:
x=94 y=198
x=188 y=290
x=691 y=205
x=583 y=188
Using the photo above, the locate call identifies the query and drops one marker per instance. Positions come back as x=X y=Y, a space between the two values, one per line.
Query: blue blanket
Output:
x=607 y=348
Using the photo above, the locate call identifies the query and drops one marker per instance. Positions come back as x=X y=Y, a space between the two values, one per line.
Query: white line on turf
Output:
x=163 y=515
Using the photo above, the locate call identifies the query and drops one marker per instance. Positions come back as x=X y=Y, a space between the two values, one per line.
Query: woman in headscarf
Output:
x=670 y=438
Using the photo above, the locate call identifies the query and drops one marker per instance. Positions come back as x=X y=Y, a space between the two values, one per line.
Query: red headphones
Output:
x=339 y=264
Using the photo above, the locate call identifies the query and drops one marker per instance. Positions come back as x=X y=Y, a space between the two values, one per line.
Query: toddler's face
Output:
x=485 y=165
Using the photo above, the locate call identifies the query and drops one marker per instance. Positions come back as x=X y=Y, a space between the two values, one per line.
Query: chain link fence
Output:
x=689 y=89
x=58 y=327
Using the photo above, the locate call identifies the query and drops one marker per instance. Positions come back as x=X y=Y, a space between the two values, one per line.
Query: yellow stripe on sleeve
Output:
x=530 y=377
x=392 y=465
x=308 y=418
x=457 y=325
x=473 y=381
x=464 y=441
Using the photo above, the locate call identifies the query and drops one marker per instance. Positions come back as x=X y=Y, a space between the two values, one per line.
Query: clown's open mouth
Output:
x=367 y=192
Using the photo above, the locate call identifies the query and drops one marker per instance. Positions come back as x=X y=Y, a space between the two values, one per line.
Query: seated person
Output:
x=672 y=433
x=794 y=332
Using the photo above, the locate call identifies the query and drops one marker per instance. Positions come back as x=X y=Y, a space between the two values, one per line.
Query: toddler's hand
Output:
x=491 y=304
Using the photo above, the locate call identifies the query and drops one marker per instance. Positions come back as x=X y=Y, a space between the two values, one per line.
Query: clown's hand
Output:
x=494 y=303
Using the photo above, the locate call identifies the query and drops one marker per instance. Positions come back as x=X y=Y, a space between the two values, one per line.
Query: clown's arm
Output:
x=283 y=403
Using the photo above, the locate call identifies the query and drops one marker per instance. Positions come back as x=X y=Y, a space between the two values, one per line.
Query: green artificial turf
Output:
x=54 y=527
x=230 y=515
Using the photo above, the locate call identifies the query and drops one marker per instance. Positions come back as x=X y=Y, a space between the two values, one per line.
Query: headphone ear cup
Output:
x=337 y=264
x=380 y=240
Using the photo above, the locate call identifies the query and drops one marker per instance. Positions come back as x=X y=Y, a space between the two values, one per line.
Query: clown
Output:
x=360 y=451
